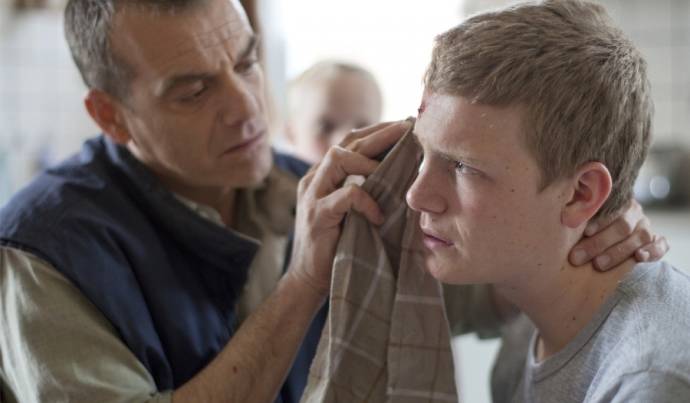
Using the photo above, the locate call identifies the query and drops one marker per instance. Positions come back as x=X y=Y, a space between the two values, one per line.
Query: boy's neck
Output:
x=561 y=302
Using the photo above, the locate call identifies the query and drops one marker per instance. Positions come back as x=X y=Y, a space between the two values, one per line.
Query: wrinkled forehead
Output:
x=161 y=39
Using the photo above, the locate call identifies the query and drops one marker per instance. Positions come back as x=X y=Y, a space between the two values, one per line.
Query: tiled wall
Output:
x=42 y=118
x=661 y=28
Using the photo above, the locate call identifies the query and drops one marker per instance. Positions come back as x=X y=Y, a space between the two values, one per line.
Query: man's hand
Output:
x=323 y=201
x=254 y=363
x=609 y=242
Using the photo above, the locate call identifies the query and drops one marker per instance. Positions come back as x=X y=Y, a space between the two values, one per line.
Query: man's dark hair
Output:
x=88 y=32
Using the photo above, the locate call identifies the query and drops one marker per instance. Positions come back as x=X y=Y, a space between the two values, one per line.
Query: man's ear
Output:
x=591 y=187
x=107 y=113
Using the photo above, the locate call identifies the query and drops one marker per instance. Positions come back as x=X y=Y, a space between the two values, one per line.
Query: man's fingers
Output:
x=357 y=134
x=653 y=251
x=337 y=165
x=609 y=239
x=606 y=252
x=629 y=217
x=337 y=204
x=600 y=242
x=340 y=162
x=603 y=234
x=378 y=142
x=623 y=250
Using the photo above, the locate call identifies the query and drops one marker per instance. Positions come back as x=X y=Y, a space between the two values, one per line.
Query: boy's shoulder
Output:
x=646 y=333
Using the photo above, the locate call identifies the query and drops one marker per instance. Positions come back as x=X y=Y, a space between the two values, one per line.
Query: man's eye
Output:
x=194 y=96
x=247 y=65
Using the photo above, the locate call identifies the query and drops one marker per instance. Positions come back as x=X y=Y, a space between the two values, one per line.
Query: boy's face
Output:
x=328 y=109
x=483 y=217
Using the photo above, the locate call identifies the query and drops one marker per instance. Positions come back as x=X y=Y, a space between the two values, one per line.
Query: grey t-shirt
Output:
x=635 y=349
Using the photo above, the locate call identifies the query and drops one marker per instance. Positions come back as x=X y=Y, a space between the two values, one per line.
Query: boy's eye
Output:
x=465 y=169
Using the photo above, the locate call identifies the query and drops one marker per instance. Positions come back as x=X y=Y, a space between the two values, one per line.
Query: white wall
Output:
x=391 y=38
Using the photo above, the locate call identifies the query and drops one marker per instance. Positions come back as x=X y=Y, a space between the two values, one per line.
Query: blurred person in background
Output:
x=326 y=102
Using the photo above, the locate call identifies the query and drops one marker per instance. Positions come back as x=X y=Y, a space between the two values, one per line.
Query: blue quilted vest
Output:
x=167 y=279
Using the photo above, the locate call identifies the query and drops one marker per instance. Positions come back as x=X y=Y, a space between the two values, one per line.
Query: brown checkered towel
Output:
x=387 y=336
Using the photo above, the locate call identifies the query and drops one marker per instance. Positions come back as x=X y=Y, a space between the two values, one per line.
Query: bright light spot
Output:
x=659 y=187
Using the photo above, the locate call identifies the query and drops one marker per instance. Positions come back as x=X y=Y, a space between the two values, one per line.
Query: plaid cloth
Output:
x=387 y=336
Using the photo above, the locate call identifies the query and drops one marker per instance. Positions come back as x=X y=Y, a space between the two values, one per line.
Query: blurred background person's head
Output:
x=325 y=102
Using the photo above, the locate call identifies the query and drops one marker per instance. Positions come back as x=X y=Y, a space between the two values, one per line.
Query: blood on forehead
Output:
x=421 y=108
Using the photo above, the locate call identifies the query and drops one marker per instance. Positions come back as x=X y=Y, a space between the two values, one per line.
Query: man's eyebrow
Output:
x=252 y=45
x=187 y=78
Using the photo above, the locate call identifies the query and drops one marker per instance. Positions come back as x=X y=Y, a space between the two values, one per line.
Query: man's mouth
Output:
x=246 y=144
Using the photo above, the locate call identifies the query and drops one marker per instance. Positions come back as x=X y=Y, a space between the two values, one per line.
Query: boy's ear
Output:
x=591 y=187
x=107 y=113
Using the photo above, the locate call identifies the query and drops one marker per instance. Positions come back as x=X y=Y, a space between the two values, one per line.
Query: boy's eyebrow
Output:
x=446 y=155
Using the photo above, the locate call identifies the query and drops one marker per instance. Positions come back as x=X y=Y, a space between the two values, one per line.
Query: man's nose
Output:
x=240 y=100
x=424 y=196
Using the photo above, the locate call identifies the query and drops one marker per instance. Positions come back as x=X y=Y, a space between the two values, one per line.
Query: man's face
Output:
x=195 y=113
x=483 y=217
x=329 y=109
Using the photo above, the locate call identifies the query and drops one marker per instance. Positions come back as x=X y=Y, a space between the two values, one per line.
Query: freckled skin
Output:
x=498 y=206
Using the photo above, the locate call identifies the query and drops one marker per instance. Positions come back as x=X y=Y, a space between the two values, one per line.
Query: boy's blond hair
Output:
x=582 y=83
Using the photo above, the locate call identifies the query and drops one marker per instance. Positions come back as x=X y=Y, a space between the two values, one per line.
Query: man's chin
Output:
x=251 y=172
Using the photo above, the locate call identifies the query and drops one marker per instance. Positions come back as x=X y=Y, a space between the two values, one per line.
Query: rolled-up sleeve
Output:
x=56 y=346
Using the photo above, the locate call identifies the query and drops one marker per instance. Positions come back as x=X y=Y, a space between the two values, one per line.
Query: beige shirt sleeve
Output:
x=55 y=346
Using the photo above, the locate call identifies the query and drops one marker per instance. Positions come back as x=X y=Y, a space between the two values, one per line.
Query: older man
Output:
x=127 y=269
x=149 y=266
